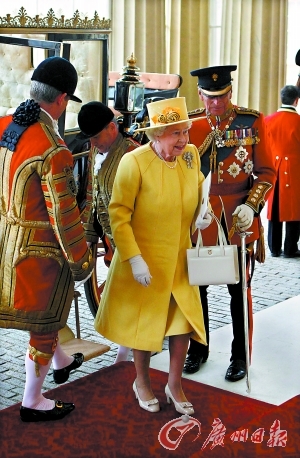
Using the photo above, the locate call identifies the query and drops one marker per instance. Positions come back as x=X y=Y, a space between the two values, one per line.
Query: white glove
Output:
x=81 y=282
x=202 y=222
x=245 y=216
x=140 y=270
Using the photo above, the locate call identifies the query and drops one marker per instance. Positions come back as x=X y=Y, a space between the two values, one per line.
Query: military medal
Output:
x=218 y=138
x=218 y=141
x=241 y=154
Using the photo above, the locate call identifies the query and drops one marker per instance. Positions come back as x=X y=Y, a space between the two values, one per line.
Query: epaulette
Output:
x=196 y=112
x=243 y=110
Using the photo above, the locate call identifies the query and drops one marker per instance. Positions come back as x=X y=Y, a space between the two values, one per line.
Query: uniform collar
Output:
x=53 y=121
x=289 y=108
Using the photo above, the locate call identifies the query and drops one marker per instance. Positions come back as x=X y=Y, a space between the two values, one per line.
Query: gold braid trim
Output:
x=257 y=195
x=206 y=144
x=197 y=111
x=35 y=357
x=260 y=254
x=234 y=228
x=243 y=110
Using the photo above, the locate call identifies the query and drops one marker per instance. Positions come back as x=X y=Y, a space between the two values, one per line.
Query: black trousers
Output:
x=292 y=233
x=237 y=314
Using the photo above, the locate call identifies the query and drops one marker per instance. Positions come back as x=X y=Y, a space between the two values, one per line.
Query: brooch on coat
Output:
x=188 y=157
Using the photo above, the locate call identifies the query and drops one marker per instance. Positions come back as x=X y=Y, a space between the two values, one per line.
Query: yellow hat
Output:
x=167 y=112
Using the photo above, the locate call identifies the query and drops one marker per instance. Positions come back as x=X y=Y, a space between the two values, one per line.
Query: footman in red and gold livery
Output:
x=43 y=246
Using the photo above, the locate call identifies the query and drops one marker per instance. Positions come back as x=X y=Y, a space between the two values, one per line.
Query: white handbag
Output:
x=213 y=265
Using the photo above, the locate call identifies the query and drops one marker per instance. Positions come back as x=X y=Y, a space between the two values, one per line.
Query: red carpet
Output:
x=108 y=422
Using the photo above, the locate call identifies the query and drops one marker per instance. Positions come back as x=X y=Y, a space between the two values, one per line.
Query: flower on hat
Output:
x=168 y=115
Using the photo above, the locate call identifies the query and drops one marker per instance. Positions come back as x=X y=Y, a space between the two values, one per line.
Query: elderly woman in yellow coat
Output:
x=154 y=205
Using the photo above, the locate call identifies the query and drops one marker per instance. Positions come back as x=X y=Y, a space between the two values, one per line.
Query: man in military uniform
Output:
x=232 y=146
x=43 y=246
x=98 y=124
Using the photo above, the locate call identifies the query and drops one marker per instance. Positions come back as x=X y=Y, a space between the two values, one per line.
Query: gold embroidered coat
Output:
x=42 y=242
x=99 y=189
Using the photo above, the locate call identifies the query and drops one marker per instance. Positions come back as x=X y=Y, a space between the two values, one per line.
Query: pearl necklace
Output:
x=166 y=162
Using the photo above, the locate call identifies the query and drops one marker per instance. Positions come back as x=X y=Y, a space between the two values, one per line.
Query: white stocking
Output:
x=60 y=358
x=33 y=398
x=122 y=355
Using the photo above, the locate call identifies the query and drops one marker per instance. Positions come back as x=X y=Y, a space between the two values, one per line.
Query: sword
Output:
x=243 y=236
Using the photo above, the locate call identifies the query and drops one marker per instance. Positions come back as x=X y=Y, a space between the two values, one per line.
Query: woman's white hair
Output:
x=158 y=131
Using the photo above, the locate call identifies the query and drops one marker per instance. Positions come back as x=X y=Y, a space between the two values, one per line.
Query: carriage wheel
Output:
x=94 y=286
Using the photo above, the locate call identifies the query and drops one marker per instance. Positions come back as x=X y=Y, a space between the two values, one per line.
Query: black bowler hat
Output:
x=58 y=73
x=214 y=80
x=297 y=58
x=93 y=117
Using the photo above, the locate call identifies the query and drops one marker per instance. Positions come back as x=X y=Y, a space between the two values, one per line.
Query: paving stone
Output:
x=274 y=281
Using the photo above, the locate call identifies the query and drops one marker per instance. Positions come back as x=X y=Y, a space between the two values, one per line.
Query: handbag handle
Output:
x=221 y=235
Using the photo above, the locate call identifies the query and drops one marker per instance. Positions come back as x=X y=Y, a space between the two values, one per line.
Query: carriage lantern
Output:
x=129 y=93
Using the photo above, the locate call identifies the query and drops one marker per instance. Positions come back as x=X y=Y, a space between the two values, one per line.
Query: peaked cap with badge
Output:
x=214 y=80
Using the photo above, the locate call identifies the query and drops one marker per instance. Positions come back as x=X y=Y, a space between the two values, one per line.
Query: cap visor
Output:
x=75 y=99
x=216 y=92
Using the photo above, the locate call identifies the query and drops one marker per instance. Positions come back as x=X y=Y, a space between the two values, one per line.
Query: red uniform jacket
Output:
x=284 y=129
x=42 y=244
x=242 y=171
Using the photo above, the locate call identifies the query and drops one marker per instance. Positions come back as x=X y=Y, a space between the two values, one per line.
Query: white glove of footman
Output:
x=140 y=270
x=245 y=216
x=202 y=222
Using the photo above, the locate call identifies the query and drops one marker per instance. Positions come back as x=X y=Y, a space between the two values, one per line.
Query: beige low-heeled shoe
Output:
x=181 y=407
x=151 y=406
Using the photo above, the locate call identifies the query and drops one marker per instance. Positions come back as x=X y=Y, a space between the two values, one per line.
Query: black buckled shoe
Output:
x=62 y=375
x=236 y=371
x=192 y=363
x=60 y=410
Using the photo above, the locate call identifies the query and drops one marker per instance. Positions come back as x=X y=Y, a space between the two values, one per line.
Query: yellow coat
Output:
x=152 y=210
